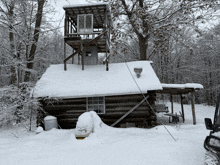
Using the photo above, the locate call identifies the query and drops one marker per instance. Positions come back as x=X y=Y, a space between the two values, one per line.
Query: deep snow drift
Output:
x=107 y=145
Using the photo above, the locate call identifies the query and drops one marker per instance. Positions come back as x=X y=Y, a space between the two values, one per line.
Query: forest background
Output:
x=181 y=37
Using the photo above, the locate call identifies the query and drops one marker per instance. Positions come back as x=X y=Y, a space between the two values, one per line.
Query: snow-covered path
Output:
x=132 y=146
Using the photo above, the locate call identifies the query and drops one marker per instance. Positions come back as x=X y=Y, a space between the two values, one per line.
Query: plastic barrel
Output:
x=50 y=122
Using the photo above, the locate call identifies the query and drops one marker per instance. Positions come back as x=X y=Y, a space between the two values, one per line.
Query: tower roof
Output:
x=97 y=9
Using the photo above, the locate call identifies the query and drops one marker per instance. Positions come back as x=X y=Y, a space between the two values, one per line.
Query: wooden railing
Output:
x=83 y=35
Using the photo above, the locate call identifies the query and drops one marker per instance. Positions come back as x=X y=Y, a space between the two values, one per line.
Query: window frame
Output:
x=83 y=31
x=103 y=104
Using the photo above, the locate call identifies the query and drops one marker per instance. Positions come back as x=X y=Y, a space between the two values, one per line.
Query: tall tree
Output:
x=25 y=22
x=30 y=60
x=153 y=22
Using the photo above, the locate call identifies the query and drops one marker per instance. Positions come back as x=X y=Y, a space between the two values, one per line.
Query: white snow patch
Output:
x=107 y=145
x=183 y=86
x=49 y=118
x=89 y=122
x=39 y=130
x=84 y=124
x=84 y=5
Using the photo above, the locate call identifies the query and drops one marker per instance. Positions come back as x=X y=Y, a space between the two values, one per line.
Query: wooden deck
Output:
x=76 y=41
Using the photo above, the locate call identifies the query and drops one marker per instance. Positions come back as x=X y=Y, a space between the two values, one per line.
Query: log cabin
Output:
x=111 y=94
x=119 y=93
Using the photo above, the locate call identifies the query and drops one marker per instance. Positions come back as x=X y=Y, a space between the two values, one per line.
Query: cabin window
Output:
x=85 y=23
x=96 y=104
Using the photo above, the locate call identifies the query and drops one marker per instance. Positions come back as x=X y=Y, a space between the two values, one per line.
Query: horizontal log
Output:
x=123 y=101
x=72 y=120
x=124 y=109
x=72 y=101
x=55 y=112
x=127 y=96
x=76 y=111
x=124 y=97
x=126 y=120
x=124 y=104
x=68 y=116
x=66 y=107
x=68 y=126
x=120 y=114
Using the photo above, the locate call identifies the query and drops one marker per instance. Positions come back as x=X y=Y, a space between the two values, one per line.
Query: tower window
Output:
x=85 y=23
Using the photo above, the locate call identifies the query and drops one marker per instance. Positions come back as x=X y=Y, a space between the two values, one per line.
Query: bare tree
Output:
x=153 y=22
x=30 y=58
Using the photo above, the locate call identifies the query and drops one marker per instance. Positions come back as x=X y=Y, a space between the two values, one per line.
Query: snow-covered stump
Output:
x=87 y=123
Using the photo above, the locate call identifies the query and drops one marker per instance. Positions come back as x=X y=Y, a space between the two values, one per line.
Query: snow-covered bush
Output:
x=16 y=104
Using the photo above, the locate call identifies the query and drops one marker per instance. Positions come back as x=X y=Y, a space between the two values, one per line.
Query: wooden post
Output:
x=193 y=106
x=82 y=56
x=73 y=58
x=181 y=98
x=68 y=27
x=64 y=55
x=65 y=25
x=64 y=41
x=106 y=54
x=78 y=59
x=171 y=99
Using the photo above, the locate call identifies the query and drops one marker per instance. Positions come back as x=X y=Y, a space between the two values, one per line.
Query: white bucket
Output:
x=50 y=122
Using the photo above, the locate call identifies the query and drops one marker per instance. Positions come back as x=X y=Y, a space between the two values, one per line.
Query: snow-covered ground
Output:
x=111 y=146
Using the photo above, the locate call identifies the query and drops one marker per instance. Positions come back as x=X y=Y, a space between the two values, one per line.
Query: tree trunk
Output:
x=11 y=39
x=30 y=60
x=143 y=44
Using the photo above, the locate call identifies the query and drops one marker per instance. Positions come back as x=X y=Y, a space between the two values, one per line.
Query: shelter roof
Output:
x=96 y=81
x=179 y=88
x=97 y=9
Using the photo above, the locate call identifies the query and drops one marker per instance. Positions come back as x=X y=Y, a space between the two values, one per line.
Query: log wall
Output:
x=67 y=111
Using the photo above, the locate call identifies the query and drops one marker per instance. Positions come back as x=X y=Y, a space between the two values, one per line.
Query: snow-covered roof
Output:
x=94 y=80
x=85 y=5
x=183 y=86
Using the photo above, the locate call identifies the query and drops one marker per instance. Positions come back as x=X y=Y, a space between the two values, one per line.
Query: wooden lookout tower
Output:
x=87 y=31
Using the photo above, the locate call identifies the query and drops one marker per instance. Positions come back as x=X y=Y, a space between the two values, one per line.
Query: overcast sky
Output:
x=58 y=4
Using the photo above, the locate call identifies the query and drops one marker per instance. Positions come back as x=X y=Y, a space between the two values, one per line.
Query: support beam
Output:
x=78 y=59
x=73 y=58
x=66 y=59
x=171 y=100
x=65 y=33
x=64 y=55
x=82 y=61
x=83 y=48
x=183 y=115
x=106 y=54
x=193 y=106
x=64 y=41
x=131 y=110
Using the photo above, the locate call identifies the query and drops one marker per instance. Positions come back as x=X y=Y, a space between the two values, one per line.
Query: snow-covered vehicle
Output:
x=212 y=142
